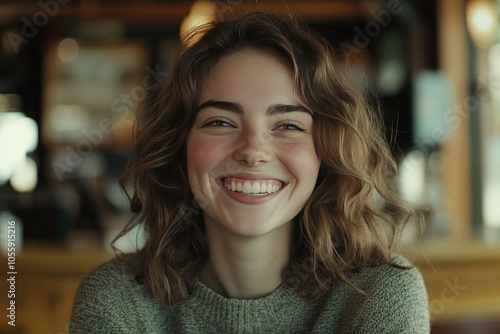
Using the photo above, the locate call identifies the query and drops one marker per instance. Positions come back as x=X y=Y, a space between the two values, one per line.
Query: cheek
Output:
x=203 y=155
x=302 y=161
x=195 y=152
x=198 y=166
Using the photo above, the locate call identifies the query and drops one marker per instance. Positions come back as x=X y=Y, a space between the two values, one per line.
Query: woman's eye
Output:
x=217 y=123
x=290 y=127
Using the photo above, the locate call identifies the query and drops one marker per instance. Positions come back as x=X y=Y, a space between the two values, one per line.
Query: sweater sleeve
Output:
x=395 y=302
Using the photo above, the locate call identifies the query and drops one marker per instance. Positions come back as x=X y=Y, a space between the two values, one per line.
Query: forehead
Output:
x=249 y=75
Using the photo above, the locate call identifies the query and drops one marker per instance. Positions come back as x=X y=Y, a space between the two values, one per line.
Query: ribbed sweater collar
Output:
x=248 y=315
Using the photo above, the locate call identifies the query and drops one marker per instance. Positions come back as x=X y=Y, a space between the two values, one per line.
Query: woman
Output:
x=263 y=182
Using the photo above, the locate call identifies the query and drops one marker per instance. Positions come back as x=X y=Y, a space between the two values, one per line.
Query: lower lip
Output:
x=249 y=199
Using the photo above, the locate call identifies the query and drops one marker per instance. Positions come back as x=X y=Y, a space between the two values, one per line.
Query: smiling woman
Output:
x=295 y=222
x=249 y=115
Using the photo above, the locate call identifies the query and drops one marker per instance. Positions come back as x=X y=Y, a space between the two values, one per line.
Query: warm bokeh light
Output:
x=202 y=12
x=482 y=22
x=67 y=50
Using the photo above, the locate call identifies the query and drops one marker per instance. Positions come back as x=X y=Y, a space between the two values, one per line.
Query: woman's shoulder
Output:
x=398 y=279
x=124 y=269
x=111 y=281
x=113 y=298
x=394 y=300
x=399 y=271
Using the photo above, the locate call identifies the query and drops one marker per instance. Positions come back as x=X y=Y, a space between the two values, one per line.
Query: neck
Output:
x=245 y=267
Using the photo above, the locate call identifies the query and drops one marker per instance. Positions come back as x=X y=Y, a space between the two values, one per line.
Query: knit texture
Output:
x=112 y=300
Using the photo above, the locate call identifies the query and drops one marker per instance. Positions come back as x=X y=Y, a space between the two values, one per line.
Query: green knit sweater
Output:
x=112 y=299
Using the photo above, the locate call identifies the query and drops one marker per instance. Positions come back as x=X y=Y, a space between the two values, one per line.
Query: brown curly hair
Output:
x=351 y=219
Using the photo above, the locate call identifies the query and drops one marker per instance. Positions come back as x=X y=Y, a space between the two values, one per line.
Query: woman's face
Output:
x=251 y=159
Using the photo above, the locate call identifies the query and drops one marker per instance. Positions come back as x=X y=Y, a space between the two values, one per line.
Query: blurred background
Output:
x=72 y=73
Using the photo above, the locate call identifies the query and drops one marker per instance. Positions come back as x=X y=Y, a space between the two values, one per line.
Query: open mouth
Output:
x=252 y=187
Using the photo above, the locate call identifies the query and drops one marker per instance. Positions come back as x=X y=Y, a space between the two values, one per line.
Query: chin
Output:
x=254 y=227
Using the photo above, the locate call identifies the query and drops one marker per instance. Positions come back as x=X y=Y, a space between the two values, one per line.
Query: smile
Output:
x=252 y=187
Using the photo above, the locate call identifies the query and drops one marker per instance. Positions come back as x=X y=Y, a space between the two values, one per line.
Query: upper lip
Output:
x=252 y=176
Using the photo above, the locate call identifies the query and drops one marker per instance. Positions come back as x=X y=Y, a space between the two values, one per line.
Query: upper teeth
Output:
x=253 y=187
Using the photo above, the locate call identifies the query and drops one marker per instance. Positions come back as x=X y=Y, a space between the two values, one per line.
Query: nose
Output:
x=253 y=149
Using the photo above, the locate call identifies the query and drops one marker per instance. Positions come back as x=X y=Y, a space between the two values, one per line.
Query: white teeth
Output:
x=247 y=188
x=255 y=188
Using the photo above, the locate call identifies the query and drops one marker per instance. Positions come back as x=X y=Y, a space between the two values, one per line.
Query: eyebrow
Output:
x=237 y=108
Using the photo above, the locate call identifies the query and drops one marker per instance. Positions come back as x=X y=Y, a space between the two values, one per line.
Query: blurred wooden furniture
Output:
x=462 y=280
x=46 y=281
